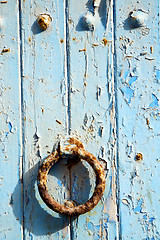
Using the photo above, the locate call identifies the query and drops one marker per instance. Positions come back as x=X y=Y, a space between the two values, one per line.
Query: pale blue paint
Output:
x=140 y=219
x=154 y=104
x=138 y=208
x=158 y=75
x=106 y=95
x=9 y=128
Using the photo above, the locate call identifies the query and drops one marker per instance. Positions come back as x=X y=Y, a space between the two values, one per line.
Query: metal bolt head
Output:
x=88 y=21
x=138 y=18
x=44 y=21
x=139 y=156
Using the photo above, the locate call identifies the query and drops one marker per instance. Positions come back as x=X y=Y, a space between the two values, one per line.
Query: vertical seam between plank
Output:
x=21 y=109
x=68 y=88
x=67 y=66
x=117 y=123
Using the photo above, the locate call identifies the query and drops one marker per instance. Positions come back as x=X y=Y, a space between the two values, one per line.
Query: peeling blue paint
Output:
x=95 y=229
x=128 y=93
x=126 y=74
x=148 y=238
x=60 y=78
x=129 y=151
x=106 y=217
x=9 y=128
x=158 y=75
x=145 y=217
x=154 y=104
x=151 y=219
x=105 y=226
x=59 y=183
x=127 y=90
x=138 y=209
x=146 y=228
x=132 y=80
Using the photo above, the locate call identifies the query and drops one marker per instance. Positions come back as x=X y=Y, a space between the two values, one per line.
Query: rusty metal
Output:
x=139 y=156
x=44 y=21
x=5 y=50
x=72 y=148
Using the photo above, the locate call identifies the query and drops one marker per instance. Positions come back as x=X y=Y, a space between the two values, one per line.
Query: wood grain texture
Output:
x=92 y=94
x=101 y=86
x=10 y=132
x=44 y=107
x=138 y=116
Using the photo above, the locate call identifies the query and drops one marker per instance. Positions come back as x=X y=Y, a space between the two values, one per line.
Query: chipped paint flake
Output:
x=127 y=91
x=155 y=102
x=138 y=208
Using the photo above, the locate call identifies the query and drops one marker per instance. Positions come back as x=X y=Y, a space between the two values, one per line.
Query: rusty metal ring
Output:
x=73 y=148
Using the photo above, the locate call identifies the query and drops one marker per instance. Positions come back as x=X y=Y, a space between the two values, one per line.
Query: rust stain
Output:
x=58 y=121
x=5 y=50
x=76 y=149
x=151 y=49
x=61 y=41
x=95 y=44
x=128 y=56
x=139 y=156
x=147 y=121
x=105 y=41
x=29 y=39
x=3 y=2
x=82 y=50
x=131 y=43
x=143 y=53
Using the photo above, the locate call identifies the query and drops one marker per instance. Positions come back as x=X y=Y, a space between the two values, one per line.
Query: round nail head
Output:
x=44 y=21
x=88 y=21
x=139 y=156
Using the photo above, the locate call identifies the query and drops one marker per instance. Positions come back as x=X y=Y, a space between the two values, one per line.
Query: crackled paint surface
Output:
x=138 y=117
x=94 y=74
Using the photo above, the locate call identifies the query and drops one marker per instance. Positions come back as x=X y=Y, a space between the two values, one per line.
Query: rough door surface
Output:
x=94 y=74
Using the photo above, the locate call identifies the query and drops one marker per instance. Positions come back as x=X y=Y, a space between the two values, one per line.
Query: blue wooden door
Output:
x=94 y=74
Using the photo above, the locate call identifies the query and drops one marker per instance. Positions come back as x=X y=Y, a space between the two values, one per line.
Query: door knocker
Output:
x=75 y=149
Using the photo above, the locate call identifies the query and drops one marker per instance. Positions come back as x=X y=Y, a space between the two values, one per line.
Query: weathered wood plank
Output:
x=10 y=132
x=93 y=114
x=138 y=116
x=63 y=81
x=45 y=115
